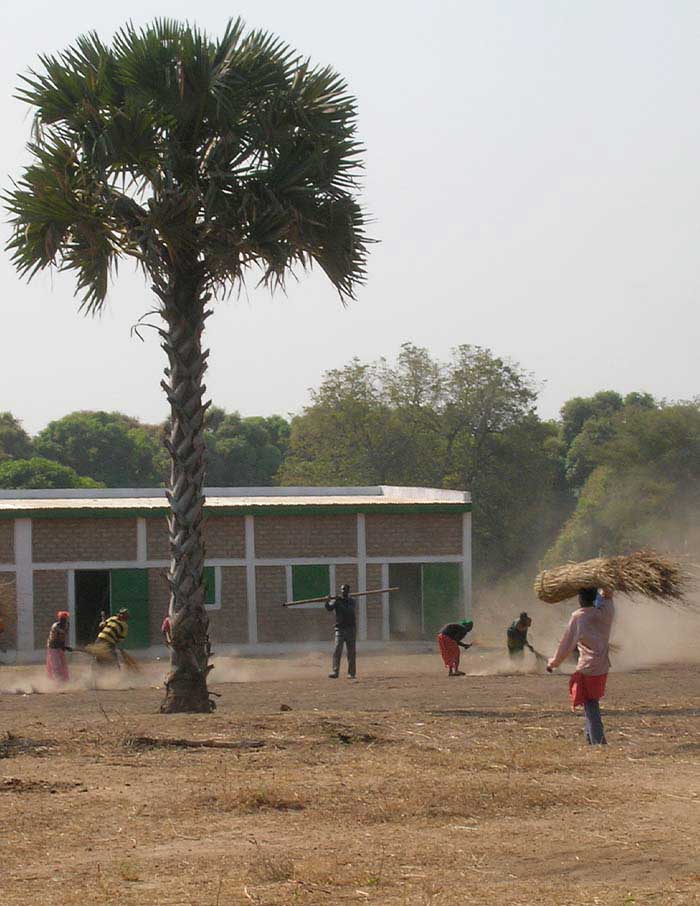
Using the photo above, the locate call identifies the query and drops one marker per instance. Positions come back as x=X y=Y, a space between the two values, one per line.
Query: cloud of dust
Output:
x=32 y=680
x=644 y=633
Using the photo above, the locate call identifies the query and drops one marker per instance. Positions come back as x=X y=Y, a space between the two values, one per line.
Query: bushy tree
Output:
x=244 y=452
x=465 y=423
x=15 y=443
x=38 y=472
x=113 y=448
x=644 y=488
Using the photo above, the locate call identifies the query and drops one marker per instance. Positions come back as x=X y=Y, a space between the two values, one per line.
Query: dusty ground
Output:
x=401 y=788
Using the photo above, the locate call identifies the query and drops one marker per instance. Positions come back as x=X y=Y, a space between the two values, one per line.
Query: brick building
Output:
x=89 y=551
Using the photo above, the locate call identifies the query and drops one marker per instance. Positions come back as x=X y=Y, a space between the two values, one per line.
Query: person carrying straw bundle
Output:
x=588 y=631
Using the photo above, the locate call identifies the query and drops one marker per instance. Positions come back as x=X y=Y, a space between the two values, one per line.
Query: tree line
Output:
x=611 y=473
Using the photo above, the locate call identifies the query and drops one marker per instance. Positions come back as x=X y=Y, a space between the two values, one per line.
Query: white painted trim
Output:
x=389 y=491
x=24 y=585
x=7 y=568
x=386 y=625
x=70 y=607
x=467 y=563
x=240 y=561
x=289 y=578
x=362 y=575
x=424 y=558
x=251 y=594
x=141 y=540
x=332 y=589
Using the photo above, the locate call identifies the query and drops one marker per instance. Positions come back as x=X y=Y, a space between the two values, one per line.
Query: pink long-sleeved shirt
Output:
x=589 y=629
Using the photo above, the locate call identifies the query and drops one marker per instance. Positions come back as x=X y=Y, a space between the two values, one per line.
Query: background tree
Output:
x=38 y=472
x=244 y=452
x=644 y=487
x=466 y=423
x=15 y=443
x=113 y=448
x=197 y=159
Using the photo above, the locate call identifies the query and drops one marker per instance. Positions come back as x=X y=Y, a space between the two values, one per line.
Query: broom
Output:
x=642 y=573
x=103 y=656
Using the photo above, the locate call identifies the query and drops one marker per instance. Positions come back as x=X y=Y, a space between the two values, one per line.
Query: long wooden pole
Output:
x=355 y=594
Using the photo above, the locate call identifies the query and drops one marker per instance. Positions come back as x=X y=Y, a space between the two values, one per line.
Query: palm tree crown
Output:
x=187 y=153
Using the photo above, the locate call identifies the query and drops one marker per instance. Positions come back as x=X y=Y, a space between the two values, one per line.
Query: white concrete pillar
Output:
x=24 y=586
x=467 y=563
x=250 y=580
x=362 y=575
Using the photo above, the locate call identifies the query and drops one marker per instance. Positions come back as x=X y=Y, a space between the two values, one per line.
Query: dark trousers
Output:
x=344 y=637
x=595 y=734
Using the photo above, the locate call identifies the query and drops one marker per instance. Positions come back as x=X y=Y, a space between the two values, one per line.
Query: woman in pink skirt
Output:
x=56 y=647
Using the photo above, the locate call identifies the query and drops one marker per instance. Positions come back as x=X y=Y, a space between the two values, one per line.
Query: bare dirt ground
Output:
x=403 y=787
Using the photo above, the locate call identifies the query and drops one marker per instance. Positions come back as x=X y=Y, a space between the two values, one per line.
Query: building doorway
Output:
x=92 y=599
x=429 y=595
x=406 y=604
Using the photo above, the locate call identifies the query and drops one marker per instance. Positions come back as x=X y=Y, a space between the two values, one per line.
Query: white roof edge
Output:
x=388 y=491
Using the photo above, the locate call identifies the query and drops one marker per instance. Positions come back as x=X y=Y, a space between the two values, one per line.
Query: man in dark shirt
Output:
x=450 y=641
x=516 y=635
x=345 y=609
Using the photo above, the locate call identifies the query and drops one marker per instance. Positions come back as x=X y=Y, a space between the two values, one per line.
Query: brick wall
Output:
x=286 y=624
x=224 y=537
x=7 y=541
x=66 y=540
x=230 y=624
x=226 y=626
x=305 y=536
x=8 y=610
x=157 y=538
x=413 y=534
x=374 y=602
x=158 y=601
x=50 y=595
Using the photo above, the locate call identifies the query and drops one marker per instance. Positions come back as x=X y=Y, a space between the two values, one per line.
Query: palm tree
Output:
x=198 y=159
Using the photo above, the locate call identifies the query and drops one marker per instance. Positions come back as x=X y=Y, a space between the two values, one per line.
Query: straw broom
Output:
x=642 y=573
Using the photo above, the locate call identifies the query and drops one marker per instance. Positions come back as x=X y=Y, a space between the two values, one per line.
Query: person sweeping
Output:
x=112 y=633
x=516 y=635
x=56 y=647
x=450 y=641
x=588 y=630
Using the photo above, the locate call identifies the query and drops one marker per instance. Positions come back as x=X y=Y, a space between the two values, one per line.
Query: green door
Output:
x=443 y=599
x=129 y=588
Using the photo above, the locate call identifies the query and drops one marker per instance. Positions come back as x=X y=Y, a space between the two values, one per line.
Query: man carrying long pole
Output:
x=345 y=609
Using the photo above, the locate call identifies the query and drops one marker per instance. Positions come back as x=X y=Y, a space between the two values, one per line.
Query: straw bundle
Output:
x=642 y=573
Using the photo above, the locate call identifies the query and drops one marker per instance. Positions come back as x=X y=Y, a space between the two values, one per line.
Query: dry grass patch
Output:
x=251 y=798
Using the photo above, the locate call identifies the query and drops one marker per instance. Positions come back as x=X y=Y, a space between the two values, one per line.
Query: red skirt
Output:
x=57 y=665
x=449 y=649
x=584 y=688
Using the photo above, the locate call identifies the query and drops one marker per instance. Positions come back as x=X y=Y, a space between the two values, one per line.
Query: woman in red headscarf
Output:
x=56 y=647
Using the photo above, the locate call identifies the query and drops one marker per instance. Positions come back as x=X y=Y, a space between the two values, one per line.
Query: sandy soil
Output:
x=403 y=787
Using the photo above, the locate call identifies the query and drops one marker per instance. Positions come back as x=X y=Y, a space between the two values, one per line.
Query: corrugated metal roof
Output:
x=120 y=501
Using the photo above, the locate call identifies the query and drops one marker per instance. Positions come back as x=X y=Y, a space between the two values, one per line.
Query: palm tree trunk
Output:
x=183 y=311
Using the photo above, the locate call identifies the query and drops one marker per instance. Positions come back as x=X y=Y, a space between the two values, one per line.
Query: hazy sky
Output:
x=532 y=170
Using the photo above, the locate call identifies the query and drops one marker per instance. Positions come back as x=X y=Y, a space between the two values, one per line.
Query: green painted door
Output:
x=443 y=599
x=129 y=589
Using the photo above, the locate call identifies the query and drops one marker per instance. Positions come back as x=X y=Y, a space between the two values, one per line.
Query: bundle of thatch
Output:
x=642 y=573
